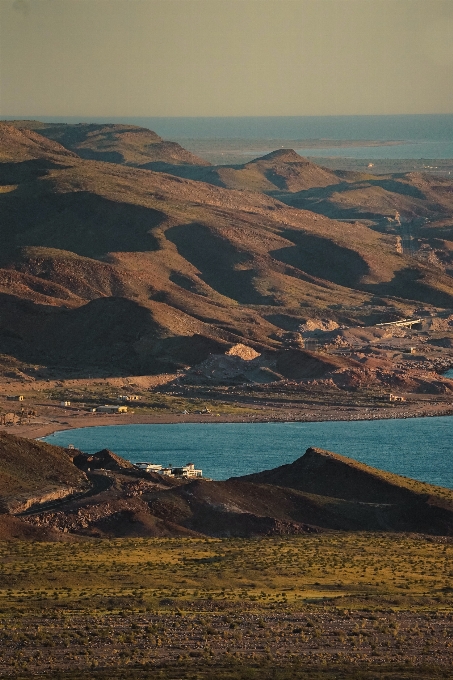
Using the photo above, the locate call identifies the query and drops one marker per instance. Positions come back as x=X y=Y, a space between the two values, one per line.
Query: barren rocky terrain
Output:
x=105 y=496
x=176 y=270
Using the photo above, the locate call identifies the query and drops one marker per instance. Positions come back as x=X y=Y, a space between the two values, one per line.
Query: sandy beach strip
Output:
x=43 y=427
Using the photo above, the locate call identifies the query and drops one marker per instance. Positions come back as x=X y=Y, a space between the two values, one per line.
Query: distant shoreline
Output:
x=40 y=430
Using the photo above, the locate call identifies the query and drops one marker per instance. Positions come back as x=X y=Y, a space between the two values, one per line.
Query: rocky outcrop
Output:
x=102 y=460
x=15 y=505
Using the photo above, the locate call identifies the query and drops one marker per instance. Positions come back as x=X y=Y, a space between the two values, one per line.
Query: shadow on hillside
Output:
x=397 y=187
x=285 y=321
x=27 y=171
x=80 y=222
x=105 y=334
x=216 y=259
x=322 y=258
x=408 y=283
x=199 y=173
x=103 y=156
x=319 y=199
x=277 y=180
x=190 y=350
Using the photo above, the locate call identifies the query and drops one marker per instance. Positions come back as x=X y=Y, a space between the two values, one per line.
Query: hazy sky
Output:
x=225 y=57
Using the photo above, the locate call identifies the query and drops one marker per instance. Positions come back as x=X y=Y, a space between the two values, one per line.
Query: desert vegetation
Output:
x=368 y=605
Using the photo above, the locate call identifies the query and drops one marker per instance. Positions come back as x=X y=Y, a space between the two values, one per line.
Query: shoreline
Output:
x=45 y=429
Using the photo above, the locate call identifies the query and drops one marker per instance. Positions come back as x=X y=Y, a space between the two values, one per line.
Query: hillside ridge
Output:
x=112 y=142
x=321 y=491
x=191 y=259
x=330 y=474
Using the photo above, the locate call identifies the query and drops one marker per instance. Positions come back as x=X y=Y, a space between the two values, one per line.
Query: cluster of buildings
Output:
x=107 y=408
x=185 y=471
x=110 y=408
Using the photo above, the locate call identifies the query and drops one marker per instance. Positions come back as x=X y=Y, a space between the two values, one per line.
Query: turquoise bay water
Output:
x=417 y=447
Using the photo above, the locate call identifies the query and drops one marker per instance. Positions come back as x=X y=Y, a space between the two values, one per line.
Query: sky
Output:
x=120 y=58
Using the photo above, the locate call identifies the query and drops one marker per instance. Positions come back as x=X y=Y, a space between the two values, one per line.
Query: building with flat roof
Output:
x=185 y=471
x=111 y=408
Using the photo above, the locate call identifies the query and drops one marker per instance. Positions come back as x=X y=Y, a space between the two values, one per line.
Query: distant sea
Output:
x=419 y=136
x=417 y=447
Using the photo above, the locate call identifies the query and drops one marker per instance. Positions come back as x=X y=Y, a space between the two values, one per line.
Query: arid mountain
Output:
x=164 y=270
x=320 y=491
x=413 y=207
x=125 y=144
x=281 y=170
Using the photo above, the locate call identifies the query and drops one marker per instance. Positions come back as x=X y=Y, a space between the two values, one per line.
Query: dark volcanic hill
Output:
x=329 y=474
x=165 y=269
x=319 y=491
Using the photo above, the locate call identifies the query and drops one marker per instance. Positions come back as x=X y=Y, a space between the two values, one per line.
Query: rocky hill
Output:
x=320 y=491
x=166 y=270
x=329 y=474
x=113 y=143
x=281 y=170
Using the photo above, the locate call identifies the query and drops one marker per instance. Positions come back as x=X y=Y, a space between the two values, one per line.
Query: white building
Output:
x=148 y=467
x=186 y=471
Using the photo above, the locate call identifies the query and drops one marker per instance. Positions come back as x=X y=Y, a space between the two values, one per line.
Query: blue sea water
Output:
x=423 y=136
x=420 y=448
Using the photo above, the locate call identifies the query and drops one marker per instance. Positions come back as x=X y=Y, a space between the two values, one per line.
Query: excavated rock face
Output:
x=242 y=351
x=32 y=472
